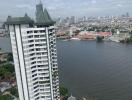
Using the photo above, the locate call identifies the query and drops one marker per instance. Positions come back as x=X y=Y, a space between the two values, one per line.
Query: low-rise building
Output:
x=4 y=86
x=2 y=32
x=3 y=56
x=71 y=98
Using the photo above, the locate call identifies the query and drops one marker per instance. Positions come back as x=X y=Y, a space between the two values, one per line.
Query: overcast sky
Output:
x=63 y=8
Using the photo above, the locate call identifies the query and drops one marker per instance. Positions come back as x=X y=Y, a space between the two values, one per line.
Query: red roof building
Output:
x=105 y=34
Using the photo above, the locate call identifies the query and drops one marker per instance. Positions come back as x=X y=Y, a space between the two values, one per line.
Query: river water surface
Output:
x=96 y=70
x=102 y=71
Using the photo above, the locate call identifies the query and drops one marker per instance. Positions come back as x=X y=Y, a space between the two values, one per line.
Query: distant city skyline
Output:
x=64 y=8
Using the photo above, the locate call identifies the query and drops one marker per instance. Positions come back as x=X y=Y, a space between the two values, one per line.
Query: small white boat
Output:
x=75 y=39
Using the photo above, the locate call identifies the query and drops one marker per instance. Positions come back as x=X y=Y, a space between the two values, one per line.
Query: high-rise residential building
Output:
x=72 y=20
x=35 y=55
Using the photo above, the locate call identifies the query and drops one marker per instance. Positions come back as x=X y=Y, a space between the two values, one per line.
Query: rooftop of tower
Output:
x=42 y=16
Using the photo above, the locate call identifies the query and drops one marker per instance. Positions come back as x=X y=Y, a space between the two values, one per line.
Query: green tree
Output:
x=113 y=31
x=7 y=75
x=63 y=91
x=99 y=39
x=6 y=97
x=14 y=91
x=9 y=68
x=10 y=57
x=67 y=33
x=2 y=72
x=7 y=71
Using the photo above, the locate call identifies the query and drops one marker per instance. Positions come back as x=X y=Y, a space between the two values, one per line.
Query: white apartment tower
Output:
x=35 y=55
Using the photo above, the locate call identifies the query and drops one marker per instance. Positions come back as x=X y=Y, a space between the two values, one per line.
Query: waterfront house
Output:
x=71 y=98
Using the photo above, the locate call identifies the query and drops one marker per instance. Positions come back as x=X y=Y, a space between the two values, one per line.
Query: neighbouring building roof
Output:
x=71 y=98
x=42 y=18
x=19 y=20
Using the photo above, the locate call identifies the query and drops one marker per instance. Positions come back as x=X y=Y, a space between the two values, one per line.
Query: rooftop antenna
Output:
x=40 y=1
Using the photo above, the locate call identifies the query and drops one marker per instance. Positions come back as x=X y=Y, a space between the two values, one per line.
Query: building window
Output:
x=34 y=75
x=30 y=41
x=36 y=36
x=35 y=31
x=28 y=32
x=42 y=31
x=31 y=36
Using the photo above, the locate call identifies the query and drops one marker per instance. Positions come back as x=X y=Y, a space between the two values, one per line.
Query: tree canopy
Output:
x=63 y=91
x=6 y=97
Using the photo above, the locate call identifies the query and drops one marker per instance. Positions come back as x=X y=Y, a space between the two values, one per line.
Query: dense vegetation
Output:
x=10 y=57
x=101 y=29
x=6 y=97
x=14 y=91
x=64 y=92
x=7 y=72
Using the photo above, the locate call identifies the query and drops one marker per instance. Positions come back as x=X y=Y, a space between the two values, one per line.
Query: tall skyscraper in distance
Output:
x=127 y=14
x=72 y=20
x=35 y=55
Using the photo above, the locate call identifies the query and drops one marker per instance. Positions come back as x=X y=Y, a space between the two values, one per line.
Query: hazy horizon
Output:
x=64 y=8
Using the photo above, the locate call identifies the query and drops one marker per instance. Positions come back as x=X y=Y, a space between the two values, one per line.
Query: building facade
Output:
x=35 y=55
